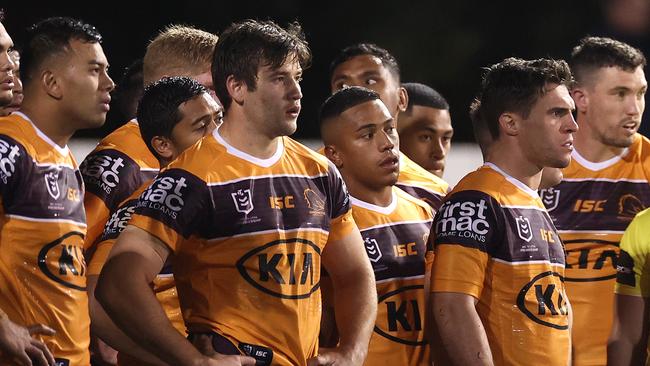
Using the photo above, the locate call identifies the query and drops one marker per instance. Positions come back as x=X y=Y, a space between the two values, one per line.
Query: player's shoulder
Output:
x=412 y=173
x=127 y=142
x=203 y=158
x=405 y=199
x=483 y=181
x=16 y=129
x=303 y=152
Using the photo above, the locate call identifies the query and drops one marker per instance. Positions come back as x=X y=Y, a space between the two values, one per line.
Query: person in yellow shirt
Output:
x=497 y=291
x=605 y=185
x=250 y=216
x=173 y=114
x=43 y=271
x=370 y=66
x=361 y=139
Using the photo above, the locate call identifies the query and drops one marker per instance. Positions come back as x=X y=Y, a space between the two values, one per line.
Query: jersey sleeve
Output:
x=15 y=165
x=112 y=229
x=466 y=229
x=110 y=176
x=341 y=221
x=632 y=270
x=175 y=206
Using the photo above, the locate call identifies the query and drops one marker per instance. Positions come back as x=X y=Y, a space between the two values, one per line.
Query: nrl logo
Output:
x=523 y=228
x=243 y=200
x=550 y=198
x=372 y=248
x=52 y=184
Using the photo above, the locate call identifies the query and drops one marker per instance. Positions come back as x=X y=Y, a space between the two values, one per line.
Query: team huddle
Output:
x=200 y=233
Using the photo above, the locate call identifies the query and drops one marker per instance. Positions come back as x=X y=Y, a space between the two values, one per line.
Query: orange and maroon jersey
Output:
x=42 y=268
x=591 y=208
x=119 y=165
x=421 y=183
x=247 y=235
x=395 y=239
x=495 y=241
x=163 y=285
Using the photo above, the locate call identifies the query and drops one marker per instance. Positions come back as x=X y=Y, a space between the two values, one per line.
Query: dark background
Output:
x=440 y=43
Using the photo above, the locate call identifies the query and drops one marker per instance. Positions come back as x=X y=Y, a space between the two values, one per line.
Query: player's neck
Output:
x=49 y=121
x=382 y=196
x=591 y=148
x=516 y=166
x=245 y=137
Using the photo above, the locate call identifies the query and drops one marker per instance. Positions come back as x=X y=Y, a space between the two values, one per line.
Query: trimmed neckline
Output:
x=385 y=210
x=601 y=165
x=519 y=184
x=265 y=163
x=61 y=150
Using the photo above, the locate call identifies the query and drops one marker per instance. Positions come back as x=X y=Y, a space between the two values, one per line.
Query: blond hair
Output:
x=178 y=50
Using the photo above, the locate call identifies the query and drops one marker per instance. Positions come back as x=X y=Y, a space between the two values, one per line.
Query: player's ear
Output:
x=163 y=147
x=509 y=123
x=403 y=99
x=333 y=155
x=581 y=98
x=236 y=89
x=50 y=83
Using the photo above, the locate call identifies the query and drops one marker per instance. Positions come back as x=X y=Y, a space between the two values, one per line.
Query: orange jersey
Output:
x=395 y=239
x=421 y=183
x=247 y=234
x=119 y=164
x=42 y=268
x=163 y=285
x=591 y=208
x=495 y=241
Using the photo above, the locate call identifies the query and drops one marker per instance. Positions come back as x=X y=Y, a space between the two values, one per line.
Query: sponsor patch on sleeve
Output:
x=625 y=269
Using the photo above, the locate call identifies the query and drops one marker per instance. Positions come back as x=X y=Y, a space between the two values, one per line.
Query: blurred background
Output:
x=440 y=43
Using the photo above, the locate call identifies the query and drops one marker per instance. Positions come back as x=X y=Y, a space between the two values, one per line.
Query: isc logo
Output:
x=289 y=269
x=466 y=219
x=403 y=321
x=589 y=206
x=104 y=169
x=8 y=155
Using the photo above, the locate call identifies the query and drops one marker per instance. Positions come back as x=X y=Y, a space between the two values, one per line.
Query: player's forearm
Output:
x=104 y=327
x=624 y=352
x=142 y=317
x=461 y=330
x=355 y=306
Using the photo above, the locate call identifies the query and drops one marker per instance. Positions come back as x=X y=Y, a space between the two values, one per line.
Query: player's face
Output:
x=369 y=72
x=6 y=67
x=427 y=139
x=200 y=116
x=615 y=104
x=368 y=145
x=85 y=84
x=274 y=105
x=546 y=136
x=17 y=90
x=205 y=79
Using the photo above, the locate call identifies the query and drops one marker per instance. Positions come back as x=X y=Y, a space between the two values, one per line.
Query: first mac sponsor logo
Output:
x=103 y=171
x=463 y=220
x=166 y=195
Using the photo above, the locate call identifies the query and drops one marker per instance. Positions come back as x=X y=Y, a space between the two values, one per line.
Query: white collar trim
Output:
x=265 y=163
x=61 y=150
x=598 y=166
x=513 y=180
x=385 y=210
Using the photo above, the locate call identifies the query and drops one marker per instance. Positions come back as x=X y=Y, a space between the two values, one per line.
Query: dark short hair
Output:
x=246 y=46
x=424 y=95
x=2 y=15
x=158 y=111
x=343 y=100
x=514 y=85
x=362 y=49
x=592 y=53
x=49 y=37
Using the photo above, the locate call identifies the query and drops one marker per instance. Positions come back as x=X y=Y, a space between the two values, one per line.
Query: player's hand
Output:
x=17 y=341
x=335 y=356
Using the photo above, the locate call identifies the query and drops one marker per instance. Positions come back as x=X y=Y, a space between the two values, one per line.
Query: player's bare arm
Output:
x=132 y=265
x=460 y=328
x=355 y=302
x=629 y=338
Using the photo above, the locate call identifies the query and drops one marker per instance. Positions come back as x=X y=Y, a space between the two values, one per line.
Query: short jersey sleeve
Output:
x=175 y=206
x=633 y=269
x=339 y=202
x=467 y=228
x=15 y=166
